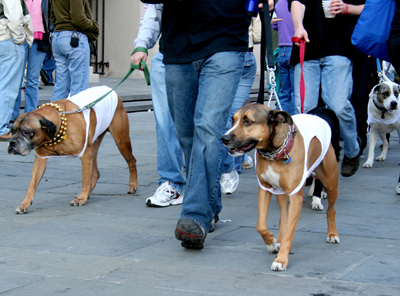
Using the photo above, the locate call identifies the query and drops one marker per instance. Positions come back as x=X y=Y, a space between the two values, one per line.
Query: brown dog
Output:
x=288 y=150
x=53 y=134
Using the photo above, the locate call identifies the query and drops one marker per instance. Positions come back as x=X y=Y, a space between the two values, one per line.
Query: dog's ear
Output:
x=374 y=91
x=276 y=117
x=48 y=126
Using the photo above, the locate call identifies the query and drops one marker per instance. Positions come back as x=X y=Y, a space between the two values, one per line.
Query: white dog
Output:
x=383 y=117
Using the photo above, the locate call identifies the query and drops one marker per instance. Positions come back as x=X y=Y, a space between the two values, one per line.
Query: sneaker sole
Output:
x=229 y=192
x=190 y=233
x=173 y=202
x=246 y=167
x=346 y=175
x=151 y=204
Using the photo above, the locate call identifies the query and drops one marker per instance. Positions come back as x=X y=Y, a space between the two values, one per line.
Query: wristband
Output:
x=347 y=9
x=142 y=49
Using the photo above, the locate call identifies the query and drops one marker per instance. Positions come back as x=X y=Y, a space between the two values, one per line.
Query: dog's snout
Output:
x=393 y=104
x=12 y=143
x=225 y=139
x=11 y=146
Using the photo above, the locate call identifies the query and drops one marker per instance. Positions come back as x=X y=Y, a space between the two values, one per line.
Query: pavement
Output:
x=116 y=245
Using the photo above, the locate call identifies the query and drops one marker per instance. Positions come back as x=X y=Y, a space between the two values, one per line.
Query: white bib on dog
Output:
x=372 y=119
x=310 y=126
x=104 y=110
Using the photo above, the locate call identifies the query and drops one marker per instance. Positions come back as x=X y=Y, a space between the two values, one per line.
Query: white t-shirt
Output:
x=105 y=110
x=310 y=126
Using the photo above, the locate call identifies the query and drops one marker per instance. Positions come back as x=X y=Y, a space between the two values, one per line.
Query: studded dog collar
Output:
x=282 y=153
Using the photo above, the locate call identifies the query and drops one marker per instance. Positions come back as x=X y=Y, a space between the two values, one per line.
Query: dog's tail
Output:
x=330 y=117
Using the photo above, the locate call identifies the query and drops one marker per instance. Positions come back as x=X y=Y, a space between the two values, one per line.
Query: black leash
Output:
x=267 y=52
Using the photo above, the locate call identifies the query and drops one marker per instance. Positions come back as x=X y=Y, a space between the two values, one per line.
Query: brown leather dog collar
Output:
x=282 y=153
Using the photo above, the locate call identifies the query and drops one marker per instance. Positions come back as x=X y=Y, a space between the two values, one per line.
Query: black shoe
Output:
x=350 y=166
x=213 y=222
x=190 y=233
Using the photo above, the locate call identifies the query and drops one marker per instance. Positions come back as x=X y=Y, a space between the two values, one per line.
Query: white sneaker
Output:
x=165 y=196
x=248 y=163
x=229 y=182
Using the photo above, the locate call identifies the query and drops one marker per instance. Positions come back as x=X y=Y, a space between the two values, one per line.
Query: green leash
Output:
x=133 y=68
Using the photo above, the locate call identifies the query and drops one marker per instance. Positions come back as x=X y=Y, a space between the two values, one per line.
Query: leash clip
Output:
x=272 y=81
x=80 y=109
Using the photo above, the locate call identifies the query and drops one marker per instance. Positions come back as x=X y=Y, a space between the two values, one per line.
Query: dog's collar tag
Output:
x=287 y=160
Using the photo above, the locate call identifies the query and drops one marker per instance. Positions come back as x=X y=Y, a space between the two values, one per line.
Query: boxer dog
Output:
x=288 y=150
x=51 y=133
x=383 y=117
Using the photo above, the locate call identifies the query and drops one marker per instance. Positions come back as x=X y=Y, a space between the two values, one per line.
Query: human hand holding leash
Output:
x=137 y=57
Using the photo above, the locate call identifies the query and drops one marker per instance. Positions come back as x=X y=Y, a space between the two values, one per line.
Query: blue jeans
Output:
x=334 y=74
x=72 y=65
x=200 y=95
x=169 y=152
x=286 y=75
x=49 y=66
x=11 y=63
x=34 y=58
x=242 y=94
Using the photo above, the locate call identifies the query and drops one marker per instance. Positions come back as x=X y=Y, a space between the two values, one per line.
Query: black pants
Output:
x=393 y=45
x=364 y=78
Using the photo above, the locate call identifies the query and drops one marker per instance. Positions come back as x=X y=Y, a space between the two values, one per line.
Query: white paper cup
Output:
x=325 y=4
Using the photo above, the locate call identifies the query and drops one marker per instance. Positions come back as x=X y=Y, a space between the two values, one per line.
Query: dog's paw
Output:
x=333 y=240
x=380 y=158
x=277 y=266
x=316 y=204
x=20 y=210
x=398 y=189
x=368 y=164
x=324 y=195
x=77 y=202
x=274 y=247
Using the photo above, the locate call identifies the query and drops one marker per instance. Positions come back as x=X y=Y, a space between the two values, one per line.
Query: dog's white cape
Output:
x=310 y=126
x=372 y=119
x=105 y=110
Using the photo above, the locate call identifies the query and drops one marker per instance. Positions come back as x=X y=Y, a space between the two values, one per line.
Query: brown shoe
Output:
x=5 y=138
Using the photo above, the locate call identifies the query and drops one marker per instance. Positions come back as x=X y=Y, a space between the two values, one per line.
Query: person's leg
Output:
x=49 y=66
x=232 y=165
x=363 y=80
x=292 y=106
x=79 y=65
x=35 y=61
x=393 y=45
x=218 y=78
x=169 y=152
x=286 y=78
x=312 y=78
x=61 y=49
x=336 y=86
x=17 y=105
x=11 y=63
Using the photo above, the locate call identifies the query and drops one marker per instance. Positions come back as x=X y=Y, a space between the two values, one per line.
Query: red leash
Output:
x=302 y=86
